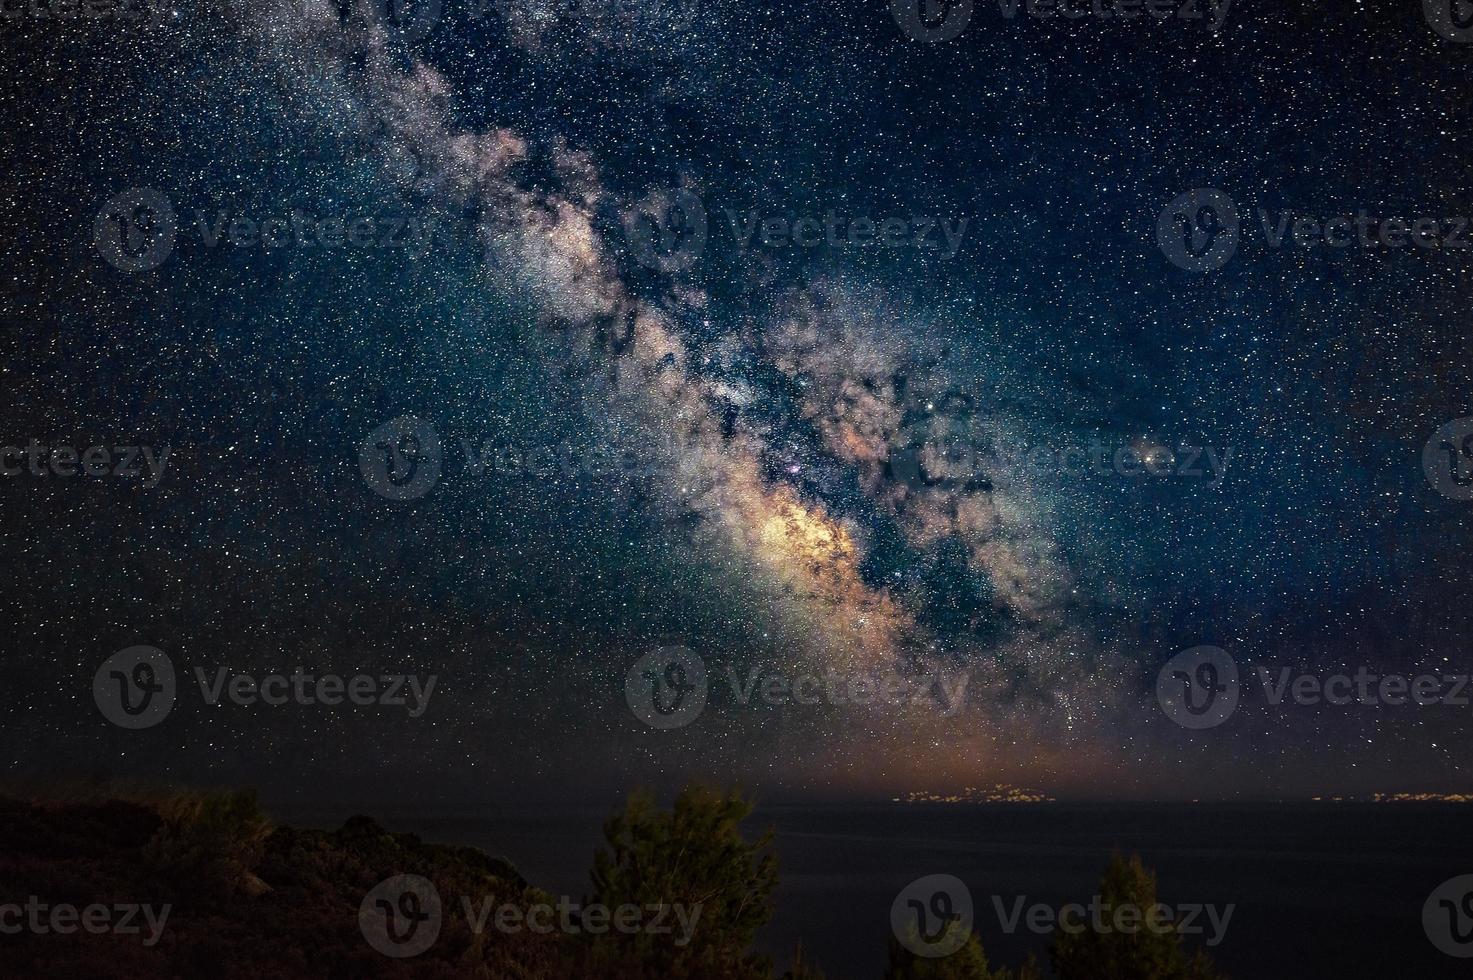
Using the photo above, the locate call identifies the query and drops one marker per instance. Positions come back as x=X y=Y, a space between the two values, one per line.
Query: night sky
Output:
x=833 y=456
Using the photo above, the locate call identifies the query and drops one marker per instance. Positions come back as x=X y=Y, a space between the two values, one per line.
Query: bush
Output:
x=693 y=855
x=802 y=969
x=210 y=839
x=967 y=963
x=1114 y=955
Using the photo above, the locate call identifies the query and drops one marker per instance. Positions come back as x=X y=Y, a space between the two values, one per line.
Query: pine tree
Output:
x=694 y=856
x=968 y=963
x=1112 y=954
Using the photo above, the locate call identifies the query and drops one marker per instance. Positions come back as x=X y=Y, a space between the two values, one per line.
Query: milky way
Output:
x=843 y=440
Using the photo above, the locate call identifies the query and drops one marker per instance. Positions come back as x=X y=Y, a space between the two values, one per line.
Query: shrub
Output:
x=692 y=855
x=967 y=963
x=213 y=840
x=1115 y=955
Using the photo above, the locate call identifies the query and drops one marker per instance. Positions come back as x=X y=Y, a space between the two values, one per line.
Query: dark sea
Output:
x=1318 y=891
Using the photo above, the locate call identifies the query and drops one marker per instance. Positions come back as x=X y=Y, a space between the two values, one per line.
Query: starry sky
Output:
x=771 y=392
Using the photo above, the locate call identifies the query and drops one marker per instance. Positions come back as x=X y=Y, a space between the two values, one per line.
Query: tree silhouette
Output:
x=693 y=855
x=1113 y=954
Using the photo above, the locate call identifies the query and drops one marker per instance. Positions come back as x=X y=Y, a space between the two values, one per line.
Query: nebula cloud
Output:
x=864 y=387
